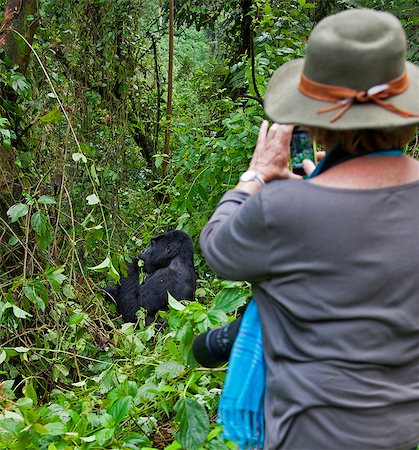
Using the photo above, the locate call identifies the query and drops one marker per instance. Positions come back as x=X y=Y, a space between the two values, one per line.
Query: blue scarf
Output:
x=241 y=408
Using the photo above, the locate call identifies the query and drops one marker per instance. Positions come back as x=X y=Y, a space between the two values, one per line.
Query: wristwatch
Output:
x=251 y=175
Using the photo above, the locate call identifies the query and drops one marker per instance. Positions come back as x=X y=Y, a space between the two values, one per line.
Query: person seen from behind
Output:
x=333 y=259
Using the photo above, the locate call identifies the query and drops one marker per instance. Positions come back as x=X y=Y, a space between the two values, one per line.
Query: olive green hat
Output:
x=354 y=76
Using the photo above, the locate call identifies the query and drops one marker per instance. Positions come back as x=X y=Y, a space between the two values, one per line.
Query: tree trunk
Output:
x=16 y=16
x=166 y=148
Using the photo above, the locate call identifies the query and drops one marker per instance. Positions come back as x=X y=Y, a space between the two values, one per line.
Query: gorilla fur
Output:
x=168 y=263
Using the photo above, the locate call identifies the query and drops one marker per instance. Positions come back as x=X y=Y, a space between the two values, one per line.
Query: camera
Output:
x=213 y=348
x=301 y=148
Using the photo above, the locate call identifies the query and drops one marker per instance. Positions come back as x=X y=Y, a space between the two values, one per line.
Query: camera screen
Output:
x=301 y=148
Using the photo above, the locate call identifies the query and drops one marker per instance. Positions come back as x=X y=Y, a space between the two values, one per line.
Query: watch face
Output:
x=248 y=176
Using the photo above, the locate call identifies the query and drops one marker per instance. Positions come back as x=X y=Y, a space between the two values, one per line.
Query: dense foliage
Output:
x=82 y=125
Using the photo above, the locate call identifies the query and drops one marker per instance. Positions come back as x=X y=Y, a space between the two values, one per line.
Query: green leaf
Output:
x=21 y=349
x=174 y=303
x=79 y=156
x=42 y=228
x=54 y=116
x=13 y=240
x=169 y=369
x=103 y=436
x=46 y=200
x=105 y=263
x=75 y=319
x=113 y=273
x=57 y=277
x=31 y=294
x=88 y=438
x=137 y=439
x=119 y=410
x=68 y=291
x=92 y=199
x=229 y=300
x=217 y=316
x=4 y=122
x=39 y=222
x=17 y=211
x=55 y=428
x=12 y=415
x=59 y=371
x=93 y=173
x=107 y=421
x=268 y=9
x=158 y=160
x=19 y=83
x=39 y=428
x=19 y=313
x=24 y=160
x=193 y=423
x=30 y=392
x=3 y=356
x=24 y=403
x=173 y=446
x=302 y=2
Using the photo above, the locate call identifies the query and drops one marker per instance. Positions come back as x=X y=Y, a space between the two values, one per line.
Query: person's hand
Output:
x=308 y=164
x=271 y=155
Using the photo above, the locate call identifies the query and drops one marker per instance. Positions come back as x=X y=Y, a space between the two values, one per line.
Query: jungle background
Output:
x=106 y=141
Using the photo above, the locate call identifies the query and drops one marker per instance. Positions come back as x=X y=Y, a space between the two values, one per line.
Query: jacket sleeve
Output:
x=235 y=241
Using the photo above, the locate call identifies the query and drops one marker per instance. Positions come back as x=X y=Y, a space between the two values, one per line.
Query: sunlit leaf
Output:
x=92 y=199
x=19 y=313
x=105 y=263
x=54 y=116
x=79 y=156
x=17 y=211
x=21 y=349
x=174 y=303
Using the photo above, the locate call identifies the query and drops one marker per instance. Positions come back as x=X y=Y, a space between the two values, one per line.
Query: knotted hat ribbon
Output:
x=344 y=97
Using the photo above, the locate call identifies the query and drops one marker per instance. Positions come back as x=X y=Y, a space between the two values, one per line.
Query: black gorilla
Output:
x=168 y=263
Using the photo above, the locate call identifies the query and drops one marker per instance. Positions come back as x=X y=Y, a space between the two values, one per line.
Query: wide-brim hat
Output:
x=357 y=49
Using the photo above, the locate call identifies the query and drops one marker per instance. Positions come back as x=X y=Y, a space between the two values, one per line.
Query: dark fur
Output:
x=168 y=263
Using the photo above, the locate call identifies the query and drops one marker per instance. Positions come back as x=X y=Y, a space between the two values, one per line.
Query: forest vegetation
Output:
x=94 y=161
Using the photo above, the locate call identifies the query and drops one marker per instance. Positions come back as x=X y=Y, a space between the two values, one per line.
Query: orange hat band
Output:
x=344 y=98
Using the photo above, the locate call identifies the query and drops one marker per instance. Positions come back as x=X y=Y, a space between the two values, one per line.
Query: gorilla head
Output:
x=165 y=248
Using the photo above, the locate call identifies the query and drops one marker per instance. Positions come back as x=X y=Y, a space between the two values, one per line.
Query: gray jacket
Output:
x=335 y=274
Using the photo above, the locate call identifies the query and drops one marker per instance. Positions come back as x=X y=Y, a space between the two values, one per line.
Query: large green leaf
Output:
x=42 y=228
x=193 y=423
x=119 y=410
x=229 y=300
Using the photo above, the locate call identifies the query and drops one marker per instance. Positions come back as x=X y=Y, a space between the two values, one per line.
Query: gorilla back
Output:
x=168 y=263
